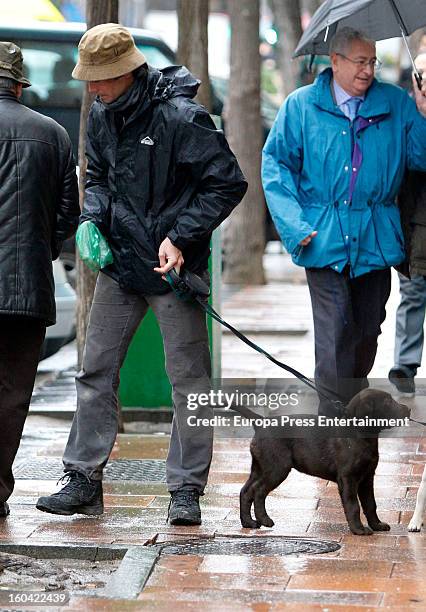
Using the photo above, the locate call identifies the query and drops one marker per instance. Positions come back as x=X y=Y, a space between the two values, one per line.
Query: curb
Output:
x=87 y=552
x=132 y=574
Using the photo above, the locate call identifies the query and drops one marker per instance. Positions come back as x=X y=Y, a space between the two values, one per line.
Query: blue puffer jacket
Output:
x=320 y=172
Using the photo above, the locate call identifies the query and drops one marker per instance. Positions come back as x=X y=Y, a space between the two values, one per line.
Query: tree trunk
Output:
x=288 y=19
x=245 y=230
x=132 y=13
x=97 y=11
x=193 y=43
x=310 y=6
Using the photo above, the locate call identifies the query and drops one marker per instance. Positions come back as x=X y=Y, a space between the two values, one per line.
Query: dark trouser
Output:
x=20 y=342
x=347 y=315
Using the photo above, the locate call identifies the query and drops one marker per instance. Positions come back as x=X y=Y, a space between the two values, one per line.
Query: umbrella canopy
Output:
x=29 y=10
x=378 y=19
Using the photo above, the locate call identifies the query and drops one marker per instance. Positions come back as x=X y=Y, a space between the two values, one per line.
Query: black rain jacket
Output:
x=412 y=205
x=167 y=172
x=38 y=207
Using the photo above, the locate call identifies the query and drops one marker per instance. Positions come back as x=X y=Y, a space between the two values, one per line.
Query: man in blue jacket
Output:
x=332 y=167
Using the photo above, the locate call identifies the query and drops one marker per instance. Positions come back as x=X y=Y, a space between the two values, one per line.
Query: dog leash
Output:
x=190 y=287
x=418 y=422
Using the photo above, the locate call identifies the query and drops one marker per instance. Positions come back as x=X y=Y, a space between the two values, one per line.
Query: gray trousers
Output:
x=410 y=317
x=114 y=319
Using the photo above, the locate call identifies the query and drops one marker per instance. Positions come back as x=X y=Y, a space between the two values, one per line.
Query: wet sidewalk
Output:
x=382 y=571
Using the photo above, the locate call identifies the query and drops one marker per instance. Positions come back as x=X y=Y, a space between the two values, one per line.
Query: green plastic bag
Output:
x=93 y=247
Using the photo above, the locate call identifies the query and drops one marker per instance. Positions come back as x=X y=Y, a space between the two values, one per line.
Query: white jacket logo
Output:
x=147 y=140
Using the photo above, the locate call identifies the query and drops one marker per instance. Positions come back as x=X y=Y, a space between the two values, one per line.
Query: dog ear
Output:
x=366 y=408
x=385 y=406
x=360 y=405
x=371 y=403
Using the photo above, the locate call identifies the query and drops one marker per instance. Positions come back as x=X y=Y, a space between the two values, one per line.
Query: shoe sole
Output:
x=398 y=378
x=402 y=393
x=87 y=510
x=406 y=394
x=184 y=521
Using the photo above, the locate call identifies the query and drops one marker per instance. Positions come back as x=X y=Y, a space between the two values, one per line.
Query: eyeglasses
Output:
x=375 y=64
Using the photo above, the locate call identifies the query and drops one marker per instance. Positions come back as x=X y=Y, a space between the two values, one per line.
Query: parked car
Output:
x=66 y=301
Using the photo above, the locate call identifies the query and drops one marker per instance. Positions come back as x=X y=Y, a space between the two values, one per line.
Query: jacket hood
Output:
x=171 y=82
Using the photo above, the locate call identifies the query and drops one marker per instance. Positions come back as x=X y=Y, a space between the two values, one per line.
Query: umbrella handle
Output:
x=418 y=78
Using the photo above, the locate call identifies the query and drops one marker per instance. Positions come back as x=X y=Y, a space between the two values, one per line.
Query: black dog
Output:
x=349 y=461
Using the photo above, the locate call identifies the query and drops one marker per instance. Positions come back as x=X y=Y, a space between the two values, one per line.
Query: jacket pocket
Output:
x=320 y=218
x=396 y=225
x=137 y=271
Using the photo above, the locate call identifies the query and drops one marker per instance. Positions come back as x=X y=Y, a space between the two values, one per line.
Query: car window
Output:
x=155 y=57
x=48 y=65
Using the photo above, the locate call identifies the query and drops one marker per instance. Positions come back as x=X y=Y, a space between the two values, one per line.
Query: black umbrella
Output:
x=378 y=19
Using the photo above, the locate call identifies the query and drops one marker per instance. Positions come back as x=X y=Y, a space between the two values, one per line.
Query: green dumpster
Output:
x=143 y=379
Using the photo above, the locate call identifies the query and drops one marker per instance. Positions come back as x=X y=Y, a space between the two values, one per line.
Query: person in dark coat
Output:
x=38 y=210
x=410 y=314
x=160 y=179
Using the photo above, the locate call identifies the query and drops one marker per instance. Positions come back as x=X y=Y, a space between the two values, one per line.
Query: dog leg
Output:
x=246 y=501
x=259 y=505
x=369 y=506
x=270 y=481
x=417 y=519
x=349 y=496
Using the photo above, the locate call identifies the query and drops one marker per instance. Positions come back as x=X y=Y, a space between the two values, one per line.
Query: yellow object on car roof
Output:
x=29 y=10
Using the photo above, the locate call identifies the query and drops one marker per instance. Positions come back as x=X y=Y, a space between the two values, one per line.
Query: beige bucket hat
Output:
x=106 y=51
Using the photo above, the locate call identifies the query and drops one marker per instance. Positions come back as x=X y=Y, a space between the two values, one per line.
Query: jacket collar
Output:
x=375 y=102
x=8 y=95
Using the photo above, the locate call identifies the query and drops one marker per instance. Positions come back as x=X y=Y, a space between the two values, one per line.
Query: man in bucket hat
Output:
x=38 y=210
x=160 y=179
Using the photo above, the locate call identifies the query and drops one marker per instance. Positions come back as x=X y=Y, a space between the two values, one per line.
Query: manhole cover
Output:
x=142 y=470
x=251 y=546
